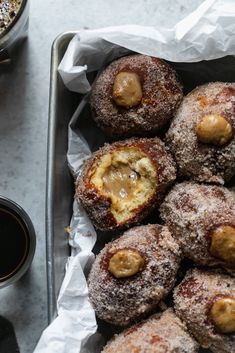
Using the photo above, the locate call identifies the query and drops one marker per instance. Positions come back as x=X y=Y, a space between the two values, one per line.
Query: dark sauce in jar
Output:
x=14 y=243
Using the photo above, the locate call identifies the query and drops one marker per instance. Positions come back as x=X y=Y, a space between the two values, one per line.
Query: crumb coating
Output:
x=192 y=211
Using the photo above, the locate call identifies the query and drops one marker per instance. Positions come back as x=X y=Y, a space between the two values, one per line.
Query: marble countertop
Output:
x=24 y=93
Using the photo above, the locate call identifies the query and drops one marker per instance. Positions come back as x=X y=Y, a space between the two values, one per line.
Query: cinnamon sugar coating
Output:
x=120 y=301
x=161 y=96
x=192 y=211
x=193 y=299
x=161 y=333
x=99 y=205
x=199 y=161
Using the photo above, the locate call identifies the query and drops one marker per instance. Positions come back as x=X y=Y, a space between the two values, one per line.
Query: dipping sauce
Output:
x=14 y=243
x=8 y=12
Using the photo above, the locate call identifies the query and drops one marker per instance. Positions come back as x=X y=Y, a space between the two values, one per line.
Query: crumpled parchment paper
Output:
x=207 y=33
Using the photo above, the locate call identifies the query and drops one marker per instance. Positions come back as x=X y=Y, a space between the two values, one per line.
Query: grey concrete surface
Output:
x=24 y=92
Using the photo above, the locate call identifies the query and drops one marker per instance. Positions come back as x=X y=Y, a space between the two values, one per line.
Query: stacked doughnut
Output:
x=138 y=97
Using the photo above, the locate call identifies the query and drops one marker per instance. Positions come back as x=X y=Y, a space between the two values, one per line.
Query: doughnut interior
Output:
x=127 y=177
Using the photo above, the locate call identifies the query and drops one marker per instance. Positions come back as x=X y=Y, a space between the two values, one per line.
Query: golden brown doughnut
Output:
x=125 y=292
x=205 y=301
x=122 y=182
x=161 y=333
x=201 y=136
x=135 y=95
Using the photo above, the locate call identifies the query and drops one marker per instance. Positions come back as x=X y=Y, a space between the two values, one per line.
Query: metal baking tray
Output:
x=60 y=185
x=59 y=190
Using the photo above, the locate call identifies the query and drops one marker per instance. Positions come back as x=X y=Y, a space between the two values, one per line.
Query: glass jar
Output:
x=17 y=242
x=17 y=30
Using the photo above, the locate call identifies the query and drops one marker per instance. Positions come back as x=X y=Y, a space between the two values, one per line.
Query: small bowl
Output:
x=20 y=219
x=12 y=36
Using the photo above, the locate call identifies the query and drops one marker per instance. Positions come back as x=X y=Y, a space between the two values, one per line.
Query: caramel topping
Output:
x=223 y=243
x=125 y=263
x=127 y=91
x=223 y=314
x=120 y=181
x=214 y=129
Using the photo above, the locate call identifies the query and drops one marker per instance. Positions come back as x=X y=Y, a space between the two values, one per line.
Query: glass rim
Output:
x=16 y=209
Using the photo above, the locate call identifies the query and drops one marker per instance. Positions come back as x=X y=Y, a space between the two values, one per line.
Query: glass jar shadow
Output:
x=8 y=342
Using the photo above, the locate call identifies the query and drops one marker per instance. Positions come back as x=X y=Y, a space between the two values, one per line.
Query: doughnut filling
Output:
x=223 y=243
x=201 y=135
x=205 y=301
x=125 y=263
x=214 y=129
x=127 y=177
x=127 y=91
x=122 y=182
x=202 y=219
x=133 y=273
x=222 y=314
x=161 y=333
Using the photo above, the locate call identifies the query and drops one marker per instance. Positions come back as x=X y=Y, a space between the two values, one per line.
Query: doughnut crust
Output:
x=161 y=333
x=192 y=212
x=122 y=182
x=204 y=162
x=193 y=300
x=161 y=96
x=120 y=301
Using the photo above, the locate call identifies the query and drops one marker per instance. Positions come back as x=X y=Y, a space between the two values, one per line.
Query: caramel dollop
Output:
x=120 y=181
x=125 y=263
x=223 y=314
x=214 y=129
x=223 y=243
x=127 y=91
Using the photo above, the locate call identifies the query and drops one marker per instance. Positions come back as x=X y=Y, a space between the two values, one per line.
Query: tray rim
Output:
x=49 y=208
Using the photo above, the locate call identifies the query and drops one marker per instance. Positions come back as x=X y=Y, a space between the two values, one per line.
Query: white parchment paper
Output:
x=207 y=33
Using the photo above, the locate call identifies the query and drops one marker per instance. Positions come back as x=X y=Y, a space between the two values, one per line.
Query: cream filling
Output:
x=127 y=177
